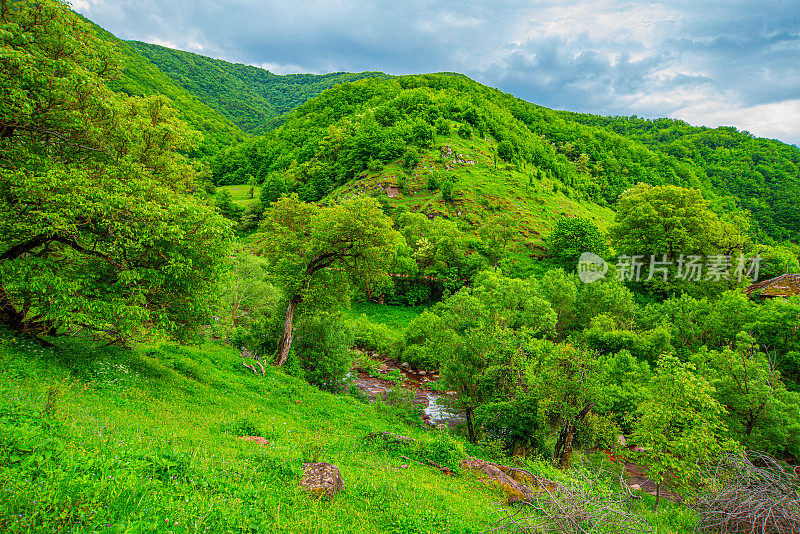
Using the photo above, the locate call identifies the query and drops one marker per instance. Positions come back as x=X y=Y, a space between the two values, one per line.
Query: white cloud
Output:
x=779 y=120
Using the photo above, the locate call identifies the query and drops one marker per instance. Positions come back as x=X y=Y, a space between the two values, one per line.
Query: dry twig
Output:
x=750 y=493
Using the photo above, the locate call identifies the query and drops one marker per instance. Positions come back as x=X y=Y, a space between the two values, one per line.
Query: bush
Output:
x=371 y=336
x=448 y=191
x=442 y=126
x=434 y=181
x=422 y=134
x=505 y=151
x=411 y=159
x=322 y=350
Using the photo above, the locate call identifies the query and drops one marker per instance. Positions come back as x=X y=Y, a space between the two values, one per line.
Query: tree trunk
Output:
x=288 y=327
x=564 y=446
x=563 y=451
x=470 y=427
x=658 y=497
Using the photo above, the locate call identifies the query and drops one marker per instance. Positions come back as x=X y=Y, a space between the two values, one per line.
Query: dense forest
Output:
x=216 y=283
x=251 y=97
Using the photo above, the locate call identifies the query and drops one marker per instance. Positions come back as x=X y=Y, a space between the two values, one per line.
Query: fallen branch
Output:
x=750 y=492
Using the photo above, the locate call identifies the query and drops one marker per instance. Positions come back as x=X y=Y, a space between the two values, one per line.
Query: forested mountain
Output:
x=139 y=77
x=764 y=174
x=223 y=101
x=249 y=96
x=594 y=158
x=358 y=129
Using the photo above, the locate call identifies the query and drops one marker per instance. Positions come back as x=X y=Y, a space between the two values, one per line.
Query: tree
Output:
x=666 y=219
x=571 y=237
x=316 y=253
x=497 y=232
x=99 y=229
x=762 y=413
x=568 y=389
x=679 y=424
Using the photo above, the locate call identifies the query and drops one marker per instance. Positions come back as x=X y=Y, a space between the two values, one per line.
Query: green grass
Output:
x=111 y=440
x=486 y=189
x=240 y=194
x=395 y=317
x=115 y=440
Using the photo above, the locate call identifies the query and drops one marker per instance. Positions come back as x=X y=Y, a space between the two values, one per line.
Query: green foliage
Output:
x=573 y=236
x=322 y=350
x=372 y=336
x=505 y=151
x=248 y=96
x=762 y=414
x=99 y=229
x=760 y=174
x=679 y=424
x=227 y=208
x=411 y=159
x=664 y=220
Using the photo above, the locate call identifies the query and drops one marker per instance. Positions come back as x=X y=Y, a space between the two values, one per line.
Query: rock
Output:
x=422 y=373
x=322 y=479
x=515 y=492
x=404 y=366
x=622 y=441
x=257 y=439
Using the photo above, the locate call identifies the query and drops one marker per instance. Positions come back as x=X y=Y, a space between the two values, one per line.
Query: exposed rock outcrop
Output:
x=322 y=479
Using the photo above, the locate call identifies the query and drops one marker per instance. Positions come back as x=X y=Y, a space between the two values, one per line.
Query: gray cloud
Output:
x=712 y=63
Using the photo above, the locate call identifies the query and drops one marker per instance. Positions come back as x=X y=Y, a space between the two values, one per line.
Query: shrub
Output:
x=411 y=159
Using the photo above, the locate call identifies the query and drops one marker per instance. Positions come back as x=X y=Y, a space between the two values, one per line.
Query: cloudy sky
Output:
x=732 y=62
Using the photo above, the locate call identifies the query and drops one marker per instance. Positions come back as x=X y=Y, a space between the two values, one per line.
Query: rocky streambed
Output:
x=432 y=403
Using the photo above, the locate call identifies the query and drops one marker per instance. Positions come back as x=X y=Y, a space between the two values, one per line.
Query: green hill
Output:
x=763 y=174
x=249 y=96
x=219 y=99
x=140 y=77
x=526 y=155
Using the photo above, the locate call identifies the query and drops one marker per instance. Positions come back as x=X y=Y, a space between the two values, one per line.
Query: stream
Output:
x=432 y=403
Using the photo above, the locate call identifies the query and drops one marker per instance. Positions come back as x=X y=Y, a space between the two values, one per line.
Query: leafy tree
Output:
x=762 y=414
x=573 y=236
x=98 y=228
x=679 y=424
x=568 y=382
x=777 y=329
x=497 y=233
x=317 y=253
x=664 y=220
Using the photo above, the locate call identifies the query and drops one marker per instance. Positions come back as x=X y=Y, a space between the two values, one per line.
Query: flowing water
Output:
x=434 y=404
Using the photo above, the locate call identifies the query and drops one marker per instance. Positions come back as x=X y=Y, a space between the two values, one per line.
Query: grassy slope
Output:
x=112 y=440
x=240 y=194
x=146 y=440
x=483 y=190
